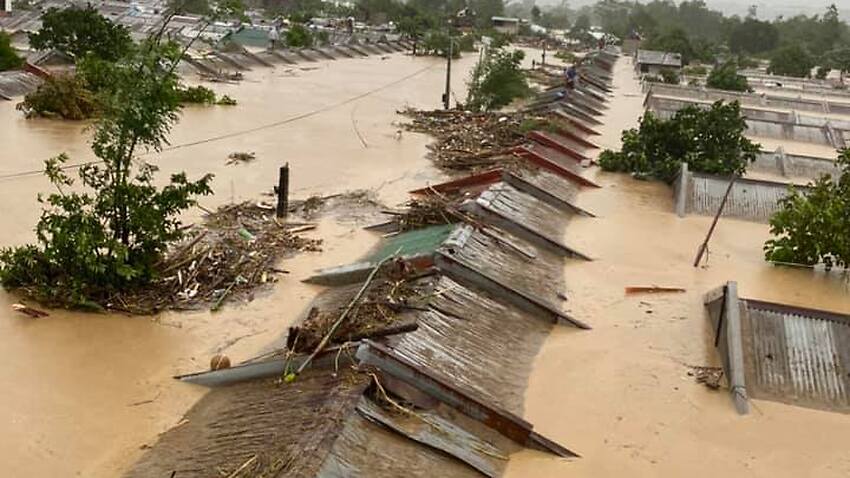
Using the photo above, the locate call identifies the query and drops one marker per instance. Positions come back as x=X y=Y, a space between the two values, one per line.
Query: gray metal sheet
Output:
x=750 y=199
x=797 y=357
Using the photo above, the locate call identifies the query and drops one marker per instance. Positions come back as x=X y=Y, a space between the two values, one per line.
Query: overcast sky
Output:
x=768 y=9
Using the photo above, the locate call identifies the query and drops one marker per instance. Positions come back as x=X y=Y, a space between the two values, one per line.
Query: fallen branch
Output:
x=654 y=289
x=344 y=315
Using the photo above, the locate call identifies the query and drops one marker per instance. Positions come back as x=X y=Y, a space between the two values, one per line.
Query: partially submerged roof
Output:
x=781 y=352
x=750 y=199
x=659 y=58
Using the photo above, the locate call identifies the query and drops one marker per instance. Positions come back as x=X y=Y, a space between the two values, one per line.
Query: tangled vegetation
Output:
x=710 y=140
x=109 y=234
x=726 y=77
x=64 y=96
x=497 y=80
x=813 y=226
x=9 y=59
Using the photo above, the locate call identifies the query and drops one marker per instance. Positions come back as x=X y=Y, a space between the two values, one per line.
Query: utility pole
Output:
x=447 y=94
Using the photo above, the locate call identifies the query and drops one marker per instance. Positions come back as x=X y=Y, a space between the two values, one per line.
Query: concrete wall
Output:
x=790 y=165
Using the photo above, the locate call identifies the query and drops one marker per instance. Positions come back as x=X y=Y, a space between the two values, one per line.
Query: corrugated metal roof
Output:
x=753 y=200
x=797 y=356
x=650 y=57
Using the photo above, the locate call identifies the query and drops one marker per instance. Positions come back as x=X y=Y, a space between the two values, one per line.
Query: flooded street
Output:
x=620 y=394
x=85 y=391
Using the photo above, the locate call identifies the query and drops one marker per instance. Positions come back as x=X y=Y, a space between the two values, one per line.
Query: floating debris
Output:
x=708 y=376
x=233 y=253
x=34 y=313
x=240 y=157
x=467 y=140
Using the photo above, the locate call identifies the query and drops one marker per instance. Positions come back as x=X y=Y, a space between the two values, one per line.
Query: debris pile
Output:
x=466 y=140
x=240 y=157
x=427 y=211
x=228 y=257
x=377 y=313
x=708 y=376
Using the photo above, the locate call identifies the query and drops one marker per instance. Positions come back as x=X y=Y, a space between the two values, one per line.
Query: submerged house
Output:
x=651 y=62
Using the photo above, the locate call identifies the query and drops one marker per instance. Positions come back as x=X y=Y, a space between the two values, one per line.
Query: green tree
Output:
x=497 y=81
x=78 y=31
x=838 y=59
x=753 y=37
x=726 y=77
x=9 y=59
x=109 y=234
x=710 y=140
x=813 y=226
x=791 y=60
x=196 y=7
x=65 y=96
x=673 y=41
x=299 y=36
x=536 y=14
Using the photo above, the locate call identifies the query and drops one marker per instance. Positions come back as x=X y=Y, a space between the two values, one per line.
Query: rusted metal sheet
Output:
x=547 y=187
x=524 y=216
x=290 y=428
x=797 y=356
x=231 y=60
x=560 y=143
x=474 y=182
x=466 y=335
x=554 y=161
x=508 y=269
x=285 y=56
x=435 y=431
x=303 y=54
x=465 y=401
x=562 y=139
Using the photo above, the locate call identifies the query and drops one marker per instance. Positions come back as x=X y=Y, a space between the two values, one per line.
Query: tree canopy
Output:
x=78 y=31
x=792 y=60
x=813 y=226
x=9 y=59
x=711 y=140
x=726 y=77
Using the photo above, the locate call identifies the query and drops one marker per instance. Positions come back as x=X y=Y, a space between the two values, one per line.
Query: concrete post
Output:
x=781 y=161
x=681 y=189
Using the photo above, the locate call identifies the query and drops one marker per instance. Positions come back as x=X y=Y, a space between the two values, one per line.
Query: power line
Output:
x=234 y=134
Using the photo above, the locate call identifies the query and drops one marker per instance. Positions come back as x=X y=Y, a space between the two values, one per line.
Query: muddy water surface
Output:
x=620 y=394
x=83 y=392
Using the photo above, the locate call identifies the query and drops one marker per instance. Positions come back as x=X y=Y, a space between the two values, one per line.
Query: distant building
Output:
x=652 y=62
x=508 y=26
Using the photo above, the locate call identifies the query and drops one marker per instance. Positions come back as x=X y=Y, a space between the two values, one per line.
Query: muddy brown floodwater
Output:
x=83 y=393
x=619 y=394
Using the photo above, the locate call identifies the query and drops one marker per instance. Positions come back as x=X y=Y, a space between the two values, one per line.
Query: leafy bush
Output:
x=822 y=72
x=298 y=36
x=566 y=56
x=709 y=140
x=726 y=77
x=197 y=95
x=465 y=43
x=670 y=76
x=9 y=59
x=65 y=96
x=78 y=31
x=497 y=81
x=813 y=227
x=695 y=70
x=110 y=234
x=437 y=44
x=792 y=60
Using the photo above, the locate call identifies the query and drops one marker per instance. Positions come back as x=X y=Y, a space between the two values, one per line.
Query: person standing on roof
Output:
x=572 y=76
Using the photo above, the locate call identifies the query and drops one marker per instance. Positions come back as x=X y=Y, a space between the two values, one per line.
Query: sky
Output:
x=768 y=9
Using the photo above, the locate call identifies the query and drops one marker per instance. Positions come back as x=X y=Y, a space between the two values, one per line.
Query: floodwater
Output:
x=619 y=394
x=84 y=393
